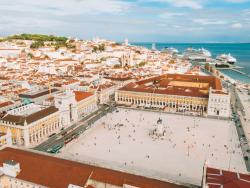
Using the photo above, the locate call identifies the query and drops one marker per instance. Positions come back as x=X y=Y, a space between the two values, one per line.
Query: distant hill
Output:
x=37 y=37
x=40 y=40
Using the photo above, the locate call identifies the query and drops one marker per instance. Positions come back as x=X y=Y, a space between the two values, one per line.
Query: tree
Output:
x=30 y=55
x=141 y=64
x=37 y=44
x=95 y=48
x=101 y=47
x=172 y=61
x=37 y=37
x=117 y=66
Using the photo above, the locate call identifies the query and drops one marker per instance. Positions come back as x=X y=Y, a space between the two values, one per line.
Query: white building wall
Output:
x=17 y=183
x=87 y=106
x=218 y=104
x=101 y=184
x=104 y=95
x=67 y=105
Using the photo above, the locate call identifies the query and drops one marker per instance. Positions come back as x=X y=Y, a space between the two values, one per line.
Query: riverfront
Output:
x=241 y=51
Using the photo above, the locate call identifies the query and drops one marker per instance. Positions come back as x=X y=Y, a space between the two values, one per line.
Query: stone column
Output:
x=9 y=137
x=26 y=137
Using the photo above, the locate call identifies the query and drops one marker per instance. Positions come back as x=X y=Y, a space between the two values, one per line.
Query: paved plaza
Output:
x=122 y=140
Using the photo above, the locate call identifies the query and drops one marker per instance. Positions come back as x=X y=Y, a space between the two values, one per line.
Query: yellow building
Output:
x=171 y=92
x=29 y=124
x=104 y=92
x=5 y=138
x=86 y=103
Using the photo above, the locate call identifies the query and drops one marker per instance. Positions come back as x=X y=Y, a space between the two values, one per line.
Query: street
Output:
x=74 y=130
x=236 y=110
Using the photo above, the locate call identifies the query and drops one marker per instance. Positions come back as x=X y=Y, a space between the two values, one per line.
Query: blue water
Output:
x=241 y=51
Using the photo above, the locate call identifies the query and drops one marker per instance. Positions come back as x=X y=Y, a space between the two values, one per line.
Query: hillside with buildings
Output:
x=96 y=113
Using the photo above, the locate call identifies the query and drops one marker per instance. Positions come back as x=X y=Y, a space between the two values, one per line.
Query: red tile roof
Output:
x=163 y=85
x=59 y=173
x=20 y=120
x=90 y=186
x=4 y=104
x=216 y=178
x=80 y=95
x=219 y=92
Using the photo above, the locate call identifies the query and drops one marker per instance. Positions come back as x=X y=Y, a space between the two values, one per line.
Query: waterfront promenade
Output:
x=240 y=108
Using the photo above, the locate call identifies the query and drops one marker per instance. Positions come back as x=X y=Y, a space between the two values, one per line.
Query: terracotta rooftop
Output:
x=119 y=78
x=102 y=86
x=81 y=95
x=176 y=84
x=4 y=104
x=219 y=92
x=59 y=173
x=216 y=178
x=19 y=120
x=36 y=95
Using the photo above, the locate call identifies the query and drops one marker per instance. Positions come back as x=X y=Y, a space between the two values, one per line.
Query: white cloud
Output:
x=237 y=1
x=194 y=28
x=171 y=14
x=188 y=28
x=209 y=21
x=64 y=7
x=117 y=19
x=193 y=4
x=237 y=25
x=246 y=12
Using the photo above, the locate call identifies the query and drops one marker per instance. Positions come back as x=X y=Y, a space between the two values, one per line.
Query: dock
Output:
x=239 y=71
x=234 y=69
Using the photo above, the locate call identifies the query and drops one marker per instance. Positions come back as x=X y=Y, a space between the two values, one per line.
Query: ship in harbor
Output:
x=227 y=58
x=198 y=52
x=197 y=55
x=170 y=50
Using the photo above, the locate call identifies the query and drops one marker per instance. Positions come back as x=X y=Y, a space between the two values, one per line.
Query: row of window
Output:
x=154 y=102
x=219 y=100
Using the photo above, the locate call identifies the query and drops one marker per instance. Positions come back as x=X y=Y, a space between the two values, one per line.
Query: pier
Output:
x=238 y=71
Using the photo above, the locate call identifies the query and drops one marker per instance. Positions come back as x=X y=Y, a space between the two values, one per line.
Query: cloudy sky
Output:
x=137 y=20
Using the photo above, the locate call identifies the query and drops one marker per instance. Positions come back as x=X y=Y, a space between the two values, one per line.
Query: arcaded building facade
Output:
x=175 y=93
x=30 y=123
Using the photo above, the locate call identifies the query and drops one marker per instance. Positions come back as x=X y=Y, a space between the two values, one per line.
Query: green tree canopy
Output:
x=38 y=37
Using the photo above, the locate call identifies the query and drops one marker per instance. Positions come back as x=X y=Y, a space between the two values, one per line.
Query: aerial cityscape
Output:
x=101 y=107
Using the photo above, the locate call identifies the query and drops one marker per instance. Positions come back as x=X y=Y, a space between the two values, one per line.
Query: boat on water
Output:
x=228 y=58
x=197 y=55
x=170 y=50
x=198 y=52
x=205 y=52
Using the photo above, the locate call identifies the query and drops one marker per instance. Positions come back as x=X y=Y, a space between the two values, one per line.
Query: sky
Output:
x=138 y=20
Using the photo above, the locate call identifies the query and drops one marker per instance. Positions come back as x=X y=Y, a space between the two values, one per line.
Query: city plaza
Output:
x=165 y=146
